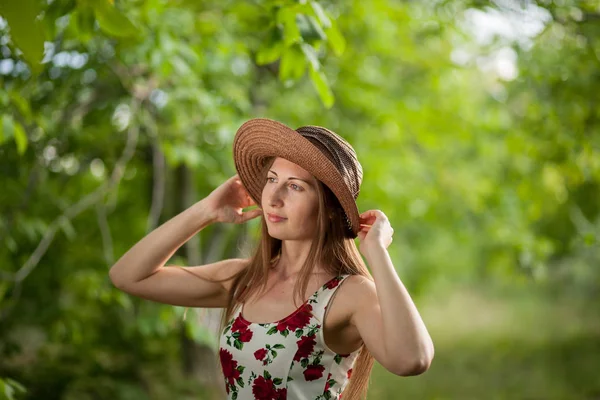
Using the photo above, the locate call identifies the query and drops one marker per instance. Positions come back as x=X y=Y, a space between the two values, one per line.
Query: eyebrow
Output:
x=293 y=177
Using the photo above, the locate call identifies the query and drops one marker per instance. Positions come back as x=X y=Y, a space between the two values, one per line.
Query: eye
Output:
x=293 y=185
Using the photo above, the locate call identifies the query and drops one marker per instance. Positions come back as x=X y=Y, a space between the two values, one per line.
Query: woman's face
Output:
x=290 y=192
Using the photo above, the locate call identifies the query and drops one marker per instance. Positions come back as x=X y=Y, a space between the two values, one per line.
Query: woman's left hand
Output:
x=375 y=230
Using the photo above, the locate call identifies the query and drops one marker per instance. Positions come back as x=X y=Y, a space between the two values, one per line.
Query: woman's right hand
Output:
x=227 y=201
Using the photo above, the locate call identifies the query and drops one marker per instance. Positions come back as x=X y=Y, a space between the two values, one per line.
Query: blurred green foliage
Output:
x=479 y=142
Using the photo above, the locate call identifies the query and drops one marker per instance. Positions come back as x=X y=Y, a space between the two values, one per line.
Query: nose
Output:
x=276 y=196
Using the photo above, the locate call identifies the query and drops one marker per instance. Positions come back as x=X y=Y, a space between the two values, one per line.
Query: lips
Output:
x=275 y=218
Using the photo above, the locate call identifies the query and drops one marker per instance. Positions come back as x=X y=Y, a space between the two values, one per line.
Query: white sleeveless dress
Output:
x=286 y=359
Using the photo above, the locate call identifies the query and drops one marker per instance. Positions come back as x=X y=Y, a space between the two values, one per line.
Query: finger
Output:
x=368 y=221
x=249 y=200
x=248 y=215
x=370 y=216
x=367 y=214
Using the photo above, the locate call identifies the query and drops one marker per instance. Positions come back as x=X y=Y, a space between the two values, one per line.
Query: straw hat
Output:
x=320 y=151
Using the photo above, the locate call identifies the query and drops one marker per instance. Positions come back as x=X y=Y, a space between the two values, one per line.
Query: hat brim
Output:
x=260 y=138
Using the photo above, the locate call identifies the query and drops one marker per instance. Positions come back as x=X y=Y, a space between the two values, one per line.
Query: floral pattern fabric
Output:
x=287 y=359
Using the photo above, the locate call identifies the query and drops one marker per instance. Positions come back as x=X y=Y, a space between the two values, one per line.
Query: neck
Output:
x=293 y=255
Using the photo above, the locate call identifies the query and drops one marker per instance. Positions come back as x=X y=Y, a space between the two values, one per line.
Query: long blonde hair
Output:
x=333 y=248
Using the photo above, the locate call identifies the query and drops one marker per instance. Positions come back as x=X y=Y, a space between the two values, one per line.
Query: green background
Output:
x=476 y=123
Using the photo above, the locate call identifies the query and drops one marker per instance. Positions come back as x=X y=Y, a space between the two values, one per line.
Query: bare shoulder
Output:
x=225 y=271
x=359 y=285
x=355 y=292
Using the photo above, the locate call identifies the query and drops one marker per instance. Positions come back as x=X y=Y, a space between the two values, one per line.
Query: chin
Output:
x=276 y=235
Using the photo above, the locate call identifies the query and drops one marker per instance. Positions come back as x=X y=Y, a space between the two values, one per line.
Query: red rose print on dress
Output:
x=238 y=325
x=245 y=336
x=327 y=384
x=239 y=333
x=269 y=351
x=281 y=394
x=332 y=284
x=306 y=345
x=313 y=372
x=298 y=320
x=263 y=389
x=291 y=346
x=231 y=370
x=260 y=354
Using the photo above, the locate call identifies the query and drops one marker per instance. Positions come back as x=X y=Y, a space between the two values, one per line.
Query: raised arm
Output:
x=141 y=271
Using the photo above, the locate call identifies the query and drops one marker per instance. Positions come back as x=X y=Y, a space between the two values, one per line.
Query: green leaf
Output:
x=9 y=128
x=112 y=21
x=266 y=374
x=6 y=128
x=324 y=20
x=26 y=30
x=285 y=333
x=293 y=64
x=278 y=381
x=287 y=18
x=267 y=55
x=304 y=362
x=272 y=330
x=82 y=23
x=274 y=353
x=337 y=358
x=20 y=137
x=310 y=29
x=336 y=40
x=299 y=333
x=272 y=49
x=3 y=289
x=240 y=382
x=311 y=55
x=21 y=104
x=8 y=390
x=234 y=395
x=279 y=346
x=238 y=344
x=320 y=83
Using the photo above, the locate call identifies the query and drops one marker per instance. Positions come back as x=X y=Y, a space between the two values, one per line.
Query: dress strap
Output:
x=324 y=295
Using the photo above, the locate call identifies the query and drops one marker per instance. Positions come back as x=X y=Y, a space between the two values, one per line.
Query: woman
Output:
x=283 y=336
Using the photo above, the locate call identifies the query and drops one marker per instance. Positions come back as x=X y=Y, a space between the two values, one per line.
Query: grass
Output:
x=495 y=344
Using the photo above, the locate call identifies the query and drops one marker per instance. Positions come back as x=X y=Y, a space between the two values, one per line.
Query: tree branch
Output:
x=76 y=209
